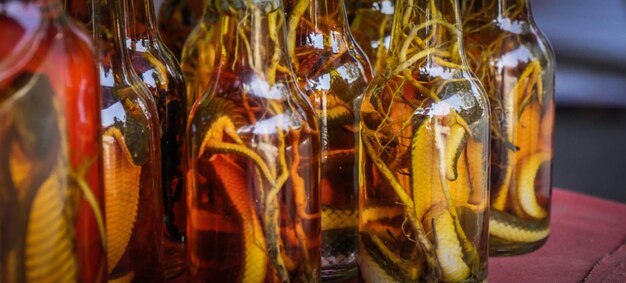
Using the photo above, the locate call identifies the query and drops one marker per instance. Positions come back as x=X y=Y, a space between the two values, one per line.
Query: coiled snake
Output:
x=262 y=235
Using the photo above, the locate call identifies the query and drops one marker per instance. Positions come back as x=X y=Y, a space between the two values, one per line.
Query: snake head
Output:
x=132 y=120
x=38 y=134
x=460 y=105
x=216 y=117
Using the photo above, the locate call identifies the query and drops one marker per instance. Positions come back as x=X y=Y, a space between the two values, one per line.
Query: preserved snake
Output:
x=424 y=125
x=34 y=156
x=261 y=243
x=334 y=75
x=516 y=66
x=254 y=160
x=121 y=177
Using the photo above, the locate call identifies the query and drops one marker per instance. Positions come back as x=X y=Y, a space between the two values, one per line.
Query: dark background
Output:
x=589 y=39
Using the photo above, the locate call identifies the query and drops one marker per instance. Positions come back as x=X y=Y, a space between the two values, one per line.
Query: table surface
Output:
x=587 y=243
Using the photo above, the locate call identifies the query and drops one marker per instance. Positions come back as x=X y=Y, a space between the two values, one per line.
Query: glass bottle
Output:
x=516 y=64
x=371 y=28
x=424 y=138
x=161 y=73
x=131 y=153
x=199 y=53
x=176 y=20
x=51 y=191
x=334 y=73
x=253 y=191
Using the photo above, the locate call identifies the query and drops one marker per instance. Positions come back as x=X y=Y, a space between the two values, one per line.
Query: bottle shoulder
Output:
x=157 y=69
x=429 y=94
x=249 y=109
x=509 y=46
x=127 y=106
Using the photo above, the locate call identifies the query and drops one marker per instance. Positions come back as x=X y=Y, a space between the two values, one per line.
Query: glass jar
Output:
x=371 y=28
x=334 y=73
x=51 y=191
x=423 y=162
x=131 y=153
x=161 y=73
x=516 y=64
x=253 y=190
x=176 y=19
x=199 y=53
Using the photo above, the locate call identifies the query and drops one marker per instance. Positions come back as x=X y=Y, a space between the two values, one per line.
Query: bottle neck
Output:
x=108 y=33
x=141 y=20
x=252 y=38
x=426 y=33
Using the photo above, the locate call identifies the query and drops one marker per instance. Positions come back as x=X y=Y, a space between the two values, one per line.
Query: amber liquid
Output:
x=521 y=95
x=137 y=246
x=160 y=72
x=423 y=163
x=50 y=181
x=387 y=244
x=171 y=107
x=334 y=73
x=231 y=236
x=131 y=155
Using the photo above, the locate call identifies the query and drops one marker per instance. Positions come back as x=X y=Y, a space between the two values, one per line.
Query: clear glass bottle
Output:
x=199 y=53
x=131 y=153
x=423 y=162
x=334 y=73
x=516 y=64
x=51 y=191
x=161 y=73
x=253 y=188
x=176 y=20
x=371 y=28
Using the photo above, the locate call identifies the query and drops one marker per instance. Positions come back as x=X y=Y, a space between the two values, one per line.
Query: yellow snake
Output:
x=121 y=182
x=525 y=127
x=222 y=123
x=34 y=181
x=233 y=177
x=49 y=245
x=436 y=192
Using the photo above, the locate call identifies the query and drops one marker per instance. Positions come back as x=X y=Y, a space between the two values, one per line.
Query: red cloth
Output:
x=587 y=242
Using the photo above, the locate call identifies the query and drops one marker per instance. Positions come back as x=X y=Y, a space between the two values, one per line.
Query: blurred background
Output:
x=589 y=39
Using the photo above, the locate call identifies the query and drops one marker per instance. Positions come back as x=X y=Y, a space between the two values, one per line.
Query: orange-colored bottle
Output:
x=334 y=73
x=160 y=72
x=515 y=63
x=253 y=187
x=424 y=155
x=131 y=155
x=51 y=191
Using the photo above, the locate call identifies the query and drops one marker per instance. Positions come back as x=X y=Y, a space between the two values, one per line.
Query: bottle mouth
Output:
x=238 y=6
